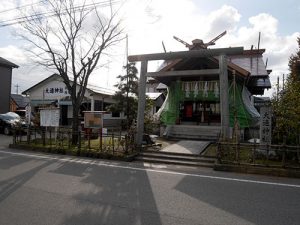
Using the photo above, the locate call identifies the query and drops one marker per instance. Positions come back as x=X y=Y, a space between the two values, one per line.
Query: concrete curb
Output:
x=269 y=171
x=127 y=158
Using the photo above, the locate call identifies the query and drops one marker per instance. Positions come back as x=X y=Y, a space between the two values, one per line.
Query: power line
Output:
x=48 y=14
x=20 y=7
x=51 y=14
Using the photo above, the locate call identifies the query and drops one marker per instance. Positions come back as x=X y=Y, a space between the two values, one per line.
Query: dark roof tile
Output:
x=6 y=63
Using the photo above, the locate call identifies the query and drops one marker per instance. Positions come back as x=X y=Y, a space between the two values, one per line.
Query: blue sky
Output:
x=149 y=22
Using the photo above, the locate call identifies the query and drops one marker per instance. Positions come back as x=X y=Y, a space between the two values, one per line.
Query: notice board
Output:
x=49 y=117
x=93 y=119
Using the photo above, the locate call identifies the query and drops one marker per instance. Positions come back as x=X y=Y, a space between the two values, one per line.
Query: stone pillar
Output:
x=141 y=104
x=224 y=97
x=265 y=134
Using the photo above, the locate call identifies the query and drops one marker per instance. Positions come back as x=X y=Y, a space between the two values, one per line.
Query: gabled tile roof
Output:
x=252 y=63
x=6 y=63
x=153 y=95
x=20 y=100
x=161 y=86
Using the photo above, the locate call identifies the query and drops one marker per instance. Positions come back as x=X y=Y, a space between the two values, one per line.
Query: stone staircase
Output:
x=193 y=132
x=175 y=159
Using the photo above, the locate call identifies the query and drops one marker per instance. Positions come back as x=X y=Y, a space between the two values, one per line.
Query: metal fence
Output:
x=63 y=140
x=284 y=156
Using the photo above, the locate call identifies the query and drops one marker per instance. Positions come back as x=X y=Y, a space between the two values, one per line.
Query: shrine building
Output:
x=210 y=91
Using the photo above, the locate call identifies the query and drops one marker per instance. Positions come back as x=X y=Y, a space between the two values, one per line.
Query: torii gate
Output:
x=222 y=71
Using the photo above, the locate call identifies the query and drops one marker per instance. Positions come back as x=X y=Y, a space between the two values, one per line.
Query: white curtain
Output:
x=187 y=89
x=216 y=90
x=205 y=91
x=196 y=89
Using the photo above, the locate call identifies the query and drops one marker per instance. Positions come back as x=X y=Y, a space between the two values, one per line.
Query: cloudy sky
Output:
x=149 y=22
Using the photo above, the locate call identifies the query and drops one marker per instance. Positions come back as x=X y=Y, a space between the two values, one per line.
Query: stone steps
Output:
x=193 y=132
x=175 y=159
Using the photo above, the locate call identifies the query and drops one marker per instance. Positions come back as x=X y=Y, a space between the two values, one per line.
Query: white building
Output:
x=53 y=91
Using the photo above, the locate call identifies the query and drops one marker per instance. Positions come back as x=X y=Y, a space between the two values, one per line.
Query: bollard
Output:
x=268 y=150
x=79 y=140
x=253 y=151
x=113 y=143
x=284 y=151
x=50 y=138
x=100 y=139
x=14 y=137
x=219 y=153
x=43 y=137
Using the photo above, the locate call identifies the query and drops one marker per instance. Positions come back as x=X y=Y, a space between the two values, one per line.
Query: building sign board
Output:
x=56 y=91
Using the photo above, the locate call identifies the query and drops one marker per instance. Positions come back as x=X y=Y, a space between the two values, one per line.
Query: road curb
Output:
x=87 y=154
x=269 y=171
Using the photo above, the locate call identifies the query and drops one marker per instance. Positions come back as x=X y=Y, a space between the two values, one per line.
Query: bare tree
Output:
x=71 y=38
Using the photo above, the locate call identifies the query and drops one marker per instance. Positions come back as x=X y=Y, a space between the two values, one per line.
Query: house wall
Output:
x=151 y=87
x=157 y=103
x=52 y=90
x=13 y=106
x=5 y=88
x=56 y=90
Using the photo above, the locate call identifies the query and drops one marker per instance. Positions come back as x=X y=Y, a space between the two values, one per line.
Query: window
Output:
x=115 y=114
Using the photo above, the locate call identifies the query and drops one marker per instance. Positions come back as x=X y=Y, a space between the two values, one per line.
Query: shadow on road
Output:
x=256 y=203
x=9 y=186
x=11 y=161
x=116 y=196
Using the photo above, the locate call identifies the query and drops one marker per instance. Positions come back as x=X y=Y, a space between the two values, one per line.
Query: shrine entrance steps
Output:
x=159 y=157
x=193 y=132
x=185 y=152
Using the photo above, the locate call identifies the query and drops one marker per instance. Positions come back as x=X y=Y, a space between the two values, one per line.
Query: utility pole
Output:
x=277 y=87
x=17 y=88
x=127 y=80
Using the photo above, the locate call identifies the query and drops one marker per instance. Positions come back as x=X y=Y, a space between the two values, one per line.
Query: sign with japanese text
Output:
x=56 y=91
x=28 y=114
x=265 y=125
x=49 y=117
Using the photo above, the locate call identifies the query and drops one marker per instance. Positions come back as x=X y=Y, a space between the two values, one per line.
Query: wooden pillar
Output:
x=141 y=104
x=102 y=104
x=224 y=97
x=92 y=103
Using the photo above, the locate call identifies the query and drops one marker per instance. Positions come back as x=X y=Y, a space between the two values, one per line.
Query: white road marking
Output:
x=94 y=162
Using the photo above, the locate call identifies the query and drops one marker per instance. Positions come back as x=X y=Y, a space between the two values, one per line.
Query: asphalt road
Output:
x=55 y=190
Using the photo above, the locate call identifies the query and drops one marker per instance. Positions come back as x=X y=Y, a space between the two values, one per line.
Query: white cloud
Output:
x=225 y=18
x=150 y=22
x=6 y=10
x=278 y=48
x=264 y=22
x=14 y=53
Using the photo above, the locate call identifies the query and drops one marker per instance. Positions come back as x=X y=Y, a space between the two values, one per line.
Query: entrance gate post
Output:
x=141 y=104
x=224 y=97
